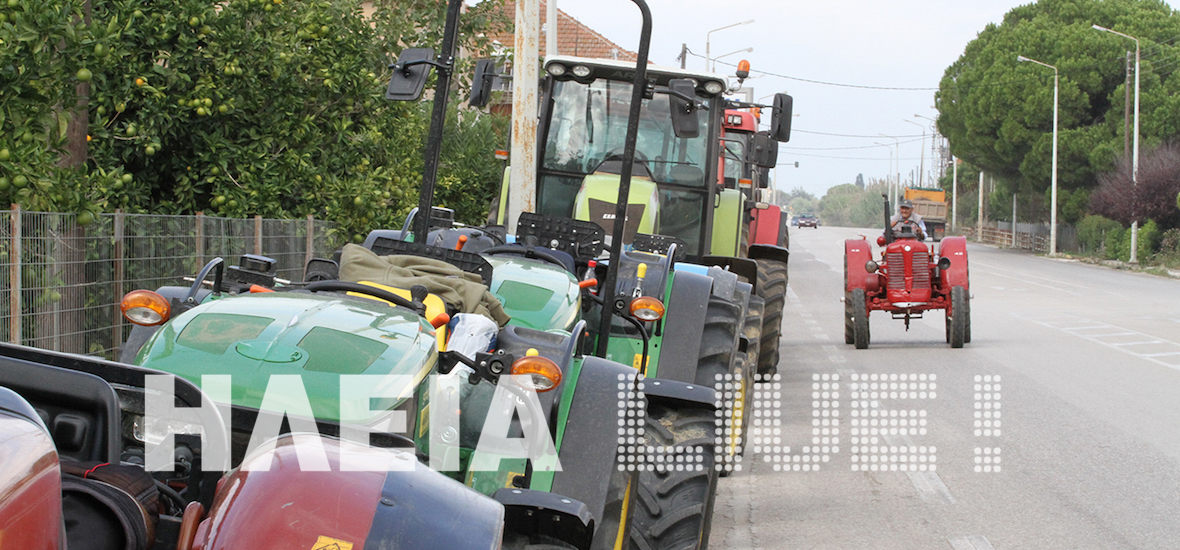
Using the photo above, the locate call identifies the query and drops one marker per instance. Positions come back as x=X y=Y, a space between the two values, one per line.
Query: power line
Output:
x=855 y=135
x=822 y=82
x=789 y=148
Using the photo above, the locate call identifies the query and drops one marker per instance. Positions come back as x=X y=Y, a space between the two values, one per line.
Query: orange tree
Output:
x=234 y=108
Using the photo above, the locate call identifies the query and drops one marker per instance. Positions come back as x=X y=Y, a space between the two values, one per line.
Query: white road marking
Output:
x=970 y=542
x=930 y=487
x=1070 y=325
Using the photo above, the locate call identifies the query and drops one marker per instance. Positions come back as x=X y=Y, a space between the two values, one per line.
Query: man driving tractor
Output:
x=907 y=216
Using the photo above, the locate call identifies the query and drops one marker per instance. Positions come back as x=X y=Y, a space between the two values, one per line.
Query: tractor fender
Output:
x=724 y=283
x=677 y=394
x=140 y=334
x=954 y=248
x=769 y=252
x=540 y=513
x=745 y=268
x=588 y=444
x=683 y=325
x=856 y=253
x=32 y=504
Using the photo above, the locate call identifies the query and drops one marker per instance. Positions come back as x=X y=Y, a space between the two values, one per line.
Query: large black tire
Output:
x=967 y=308
x=718 y=355
x=673 y=508
x=751 y=331
x=849 y=336
x=957 y=317
x=860 y=319
x=772 y=287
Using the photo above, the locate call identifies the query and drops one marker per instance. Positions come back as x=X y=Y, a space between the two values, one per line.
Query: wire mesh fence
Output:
x=63 y=281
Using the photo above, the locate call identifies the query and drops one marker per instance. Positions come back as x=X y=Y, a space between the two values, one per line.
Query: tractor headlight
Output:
x=944 y=263
x=871 y=266
x=581 y=71
x=714 y=87
x=646 y=308
x=556 y=69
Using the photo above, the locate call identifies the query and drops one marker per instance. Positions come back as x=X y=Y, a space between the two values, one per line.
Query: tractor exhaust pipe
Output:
x=888 y=226
x=638 y=87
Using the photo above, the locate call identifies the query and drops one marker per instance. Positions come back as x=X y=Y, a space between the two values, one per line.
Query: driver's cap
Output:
x=905 y=203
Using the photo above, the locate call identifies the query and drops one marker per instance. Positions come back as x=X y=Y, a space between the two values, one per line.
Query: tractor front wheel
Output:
x=860 y=319
x=957 y=317
x=673 y=507
x=849 y=335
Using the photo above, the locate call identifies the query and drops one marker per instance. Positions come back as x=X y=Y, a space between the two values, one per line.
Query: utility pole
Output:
x=683 y=54
x=954 y=191
x=1013 y=220
x=979 y=211
x=525 y=73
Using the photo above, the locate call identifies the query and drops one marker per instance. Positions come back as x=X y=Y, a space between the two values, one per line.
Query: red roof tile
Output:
x=573 y=37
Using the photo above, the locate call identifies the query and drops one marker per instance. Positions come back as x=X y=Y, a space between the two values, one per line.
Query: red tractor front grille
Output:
x=918 y=271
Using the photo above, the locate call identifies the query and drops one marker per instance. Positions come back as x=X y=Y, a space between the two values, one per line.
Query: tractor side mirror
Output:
x=780 y=120
x=410 y=74
x=763 y=151
x=685 y=119
x=481 y=86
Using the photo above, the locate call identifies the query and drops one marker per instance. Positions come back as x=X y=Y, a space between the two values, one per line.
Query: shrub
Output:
x=1092 y=231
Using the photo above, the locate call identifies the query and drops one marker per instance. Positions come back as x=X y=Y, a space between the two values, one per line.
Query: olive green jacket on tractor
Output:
x=455 y=287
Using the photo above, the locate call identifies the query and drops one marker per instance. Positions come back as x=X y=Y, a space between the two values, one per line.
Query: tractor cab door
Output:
x=583 y=129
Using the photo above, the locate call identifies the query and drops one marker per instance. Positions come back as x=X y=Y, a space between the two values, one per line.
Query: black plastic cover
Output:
x=659 y=244
x=466 y=261
x=529 y=512
x=581 y=239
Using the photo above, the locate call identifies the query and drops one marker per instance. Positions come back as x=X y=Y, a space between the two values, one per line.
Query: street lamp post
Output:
x=922 y=159
x=708 y=66
x=1134 y=146
x=933 y=143
x=897 y=154
x=1053 y=193
x=713 y=61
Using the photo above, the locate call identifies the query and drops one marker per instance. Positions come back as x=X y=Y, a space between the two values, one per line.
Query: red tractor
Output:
x=910 y=279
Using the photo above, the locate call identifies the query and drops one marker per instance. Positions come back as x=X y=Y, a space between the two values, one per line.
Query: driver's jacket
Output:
x=914 y=217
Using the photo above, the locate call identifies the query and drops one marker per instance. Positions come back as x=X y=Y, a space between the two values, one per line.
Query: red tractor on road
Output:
x=910 y=279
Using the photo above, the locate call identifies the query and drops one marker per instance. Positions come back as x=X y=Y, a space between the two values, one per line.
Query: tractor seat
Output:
x=685 y=175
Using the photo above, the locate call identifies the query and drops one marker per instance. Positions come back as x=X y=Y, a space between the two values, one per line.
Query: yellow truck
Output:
x=930 y=203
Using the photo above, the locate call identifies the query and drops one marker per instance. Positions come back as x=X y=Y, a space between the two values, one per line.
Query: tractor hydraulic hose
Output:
x=638 y=87
x=643 y=335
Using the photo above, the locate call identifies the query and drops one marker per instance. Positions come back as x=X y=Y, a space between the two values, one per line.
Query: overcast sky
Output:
x=893 y=43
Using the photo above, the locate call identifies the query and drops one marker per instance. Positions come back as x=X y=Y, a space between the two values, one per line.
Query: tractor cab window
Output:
x=733 y=155
x=585 y=134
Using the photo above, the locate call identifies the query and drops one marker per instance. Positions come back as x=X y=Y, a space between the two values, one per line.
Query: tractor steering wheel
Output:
x=344 y=286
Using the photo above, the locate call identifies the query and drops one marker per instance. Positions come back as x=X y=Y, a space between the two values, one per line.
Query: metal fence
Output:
x=1029 y=236
x=63 y=281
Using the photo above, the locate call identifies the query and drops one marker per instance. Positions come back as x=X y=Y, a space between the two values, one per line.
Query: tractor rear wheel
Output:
x=772 y=287
x=718 y=356
x=860 y=319
x=673 y=505
x=751 y=331
x=957 y=317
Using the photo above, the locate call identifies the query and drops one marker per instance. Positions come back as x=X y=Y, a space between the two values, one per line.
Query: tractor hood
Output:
x=316 y=336
x=535 y=293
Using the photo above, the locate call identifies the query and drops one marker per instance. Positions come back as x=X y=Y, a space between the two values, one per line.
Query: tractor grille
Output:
x=919 y=269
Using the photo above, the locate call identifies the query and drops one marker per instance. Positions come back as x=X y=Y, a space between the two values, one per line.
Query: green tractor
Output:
x=667 y=206
x=391 y=322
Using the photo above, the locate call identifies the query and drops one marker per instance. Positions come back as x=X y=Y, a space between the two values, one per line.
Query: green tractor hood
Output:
x=535 y=293
x=316 y=336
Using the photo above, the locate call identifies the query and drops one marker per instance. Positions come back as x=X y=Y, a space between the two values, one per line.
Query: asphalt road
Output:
x=1079 y=364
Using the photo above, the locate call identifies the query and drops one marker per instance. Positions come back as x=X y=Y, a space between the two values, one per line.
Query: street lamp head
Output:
x=1022 y=58
x=1100 y=27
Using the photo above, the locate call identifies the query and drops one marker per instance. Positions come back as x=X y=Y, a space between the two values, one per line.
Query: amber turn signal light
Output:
x=543 y=373
x=646 y=308
x=145 y=308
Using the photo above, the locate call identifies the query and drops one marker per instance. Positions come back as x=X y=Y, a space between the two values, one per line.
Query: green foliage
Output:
x=1092 y=232
x=232 y=108
x=998 y=114
x=1072 y=205
x=1114 y=246
x=849 y=205
x=1149 y=239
